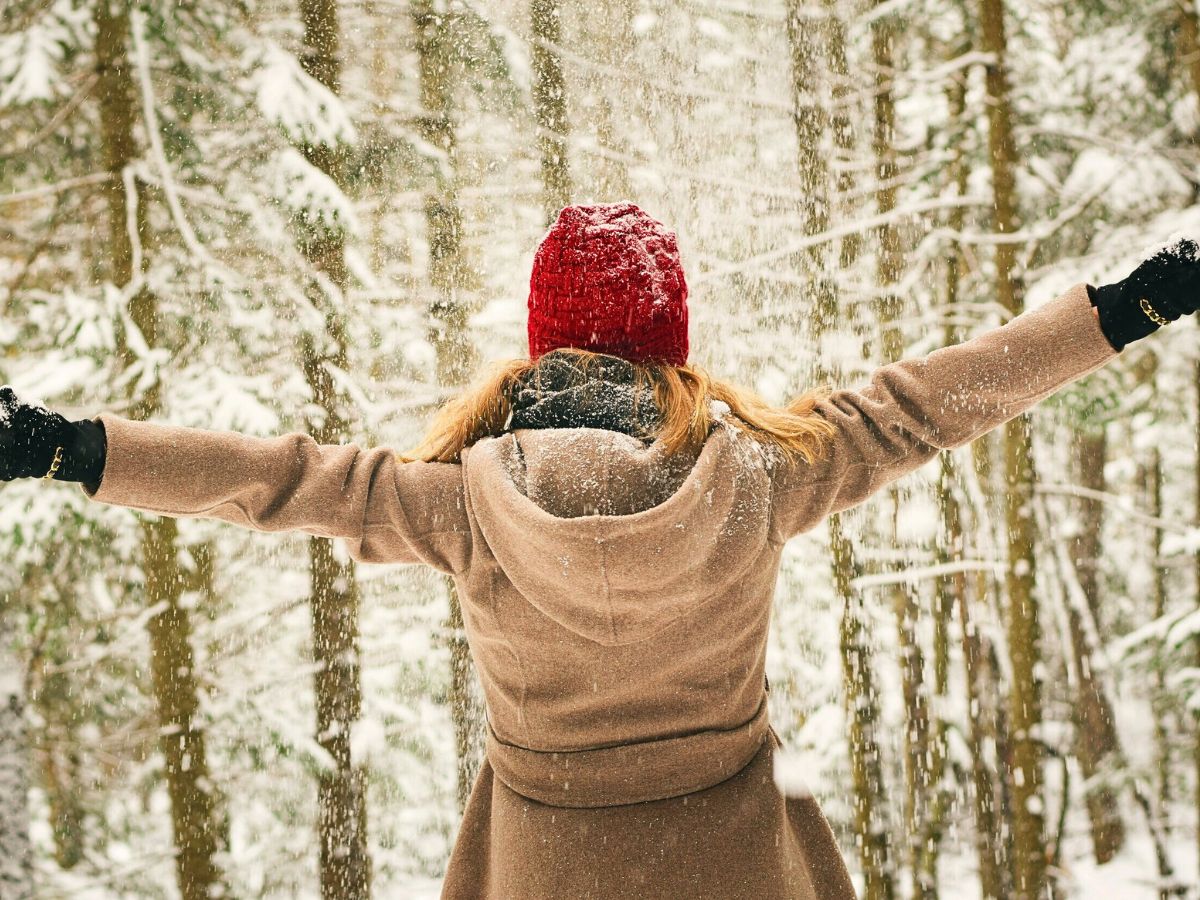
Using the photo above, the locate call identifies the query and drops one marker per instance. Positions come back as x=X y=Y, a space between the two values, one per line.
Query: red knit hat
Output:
x=607 y=278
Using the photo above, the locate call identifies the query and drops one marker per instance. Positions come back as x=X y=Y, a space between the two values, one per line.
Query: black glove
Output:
x=1168 y=283
x=31 y=435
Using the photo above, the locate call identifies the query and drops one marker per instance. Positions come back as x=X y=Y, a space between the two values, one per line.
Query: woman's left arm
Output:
x=914 y=408
x=385 y=510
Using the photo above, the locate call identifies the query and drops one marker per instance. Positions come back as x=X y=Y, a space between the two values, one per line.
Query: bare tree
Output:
x=1024 y=630
x=1151 y=484
x=172 y=663
x=345 y=860
x=607 y=30
x=953 y=592
x=16 y=876
x=1189 y=49
x=1097 y=746
x=550 y=105
x=812 y=124
x=450 y=277
x=922 y=843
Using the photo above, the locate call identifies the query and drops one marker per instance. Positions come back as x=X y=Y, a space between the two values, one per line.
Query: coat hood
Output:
x=608 y=536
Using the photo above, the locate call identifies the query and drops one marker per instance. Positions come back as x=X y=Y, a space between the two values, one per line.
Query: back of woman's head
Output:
x=608 y=299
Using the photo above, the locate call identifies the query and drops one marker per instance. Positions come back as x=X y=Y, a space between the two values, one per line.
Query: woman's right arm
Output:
x=385 y=510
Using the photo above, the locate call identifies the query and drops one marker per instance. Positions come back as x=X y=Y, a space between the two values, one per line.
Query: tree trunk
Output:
x=952 y=591
x=988 y=842
x=345 y=859
x=987 y=724
x=173 y=677
x=858 y=680
x=890 y=259
x=1189 y=41
x=1091 y=454
x=60 y=780
x=1196 y=640
x=1152 y=480
x=1096 y=744
x=172 y=668
x=448 y=314
x=1189 y=46
x=841 y=121
x=16 y=873
x=921 y=845
x=550 y=106
x=1159 y=809
x=609 y=27
x=811 y=123
x=53 y=695
x=862 y=709
x=1024 y=635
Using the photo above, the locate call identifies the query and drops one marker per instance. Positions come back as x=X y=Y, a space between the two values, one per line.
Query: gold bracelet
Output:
x=1154 y=316
x=54 y=465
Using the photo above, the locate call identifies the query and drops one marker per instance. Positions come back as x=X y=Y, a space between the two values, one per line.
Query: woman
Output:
x=614 y=521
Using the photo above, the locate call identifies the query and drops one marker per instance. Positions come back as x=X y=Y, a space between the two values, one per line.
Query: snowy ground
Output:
x=1131 y=874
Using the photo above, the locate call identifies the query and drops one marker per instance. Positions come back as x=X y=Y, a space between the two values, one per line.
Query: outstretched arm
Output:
x=914 y=408
x=385 y=510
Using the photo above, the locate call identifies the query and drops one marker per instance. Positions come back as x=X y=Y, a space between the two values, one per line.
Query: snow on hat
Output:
x=607 y=278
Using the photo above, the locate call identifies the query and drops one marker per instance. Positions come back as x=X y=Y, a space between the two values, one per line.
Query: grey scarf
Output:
x=561 y=393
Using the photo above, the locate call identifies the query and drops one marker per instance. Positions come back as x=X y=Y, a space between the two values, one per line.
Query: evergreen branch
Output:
x=137 y=26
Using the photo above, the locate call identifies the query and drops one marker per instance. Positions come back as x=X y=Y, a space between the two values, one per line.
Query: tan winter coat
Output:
x=617 y=604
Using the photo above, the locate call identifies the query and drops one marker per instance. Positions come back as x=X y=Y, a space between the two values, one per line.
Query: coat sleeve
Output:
x=385 y=510
x=914 y=408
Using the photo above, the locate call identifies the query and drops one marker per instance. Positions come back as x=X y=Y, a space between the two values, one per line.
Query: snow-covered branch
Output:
x=925 y=573
x=857 y=226
x=56 y=187
x=1116 y=502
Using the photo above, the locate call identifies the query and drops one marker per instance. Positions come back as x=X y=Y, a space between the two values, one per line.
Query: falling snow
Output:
x=281 y=247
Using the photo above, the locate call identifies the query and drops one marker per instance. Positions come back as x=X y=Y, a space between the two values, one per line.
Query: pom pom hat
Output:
x=608 y=279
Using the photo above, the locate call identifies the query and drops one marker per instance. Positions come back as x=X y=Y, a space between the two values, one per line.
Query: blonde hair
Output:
x=685 y=396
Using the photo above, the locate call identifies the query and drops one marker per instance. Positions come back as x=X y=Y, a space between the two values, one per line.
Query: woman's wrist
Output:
x=1162 y=289
x=85 y=455
x=1123 y=321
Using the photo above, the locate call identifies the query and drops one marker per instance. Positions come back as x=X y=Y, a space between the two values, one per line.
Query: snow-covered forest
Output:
x=319 y=216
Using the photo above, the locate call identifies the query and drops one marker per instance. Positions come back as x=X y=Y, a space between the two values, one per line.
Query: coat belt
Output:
x=628 y=773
